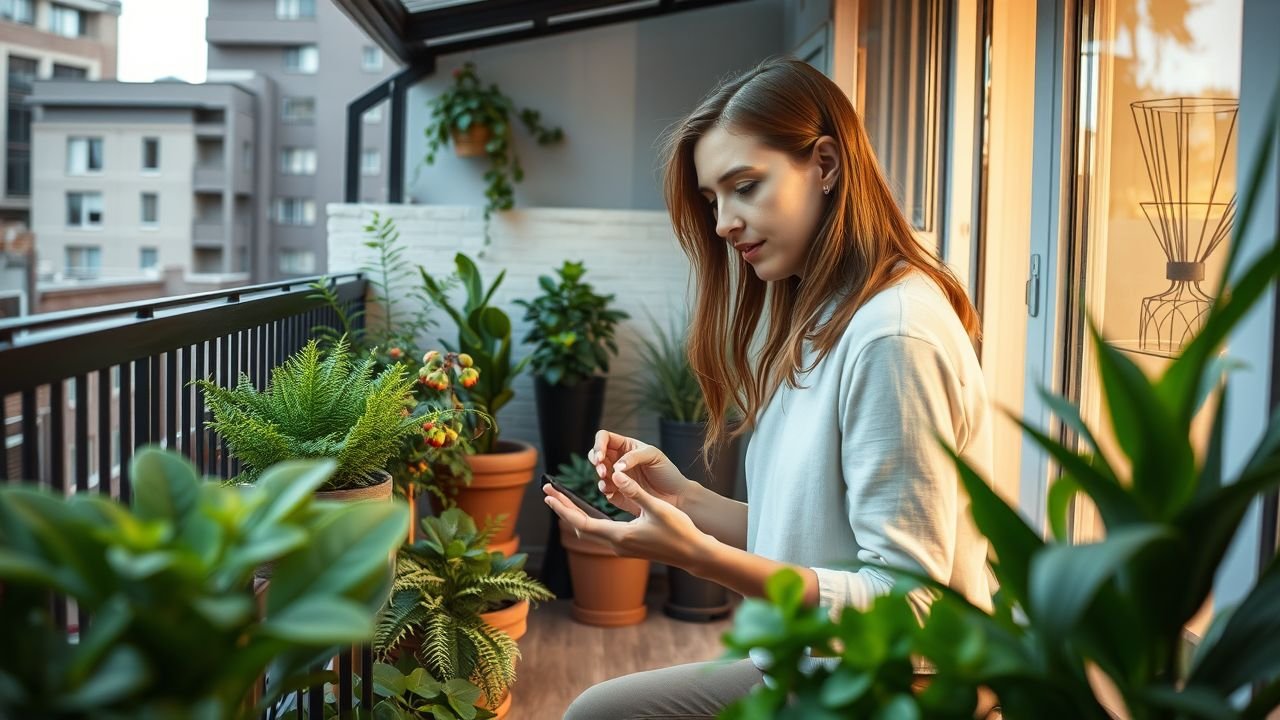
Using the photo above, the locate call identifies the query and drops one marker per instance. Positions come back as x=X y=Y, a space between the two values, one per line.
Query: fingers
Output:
x=641 y=456
x=633 y=491
x=608 y=445
x=579 y=521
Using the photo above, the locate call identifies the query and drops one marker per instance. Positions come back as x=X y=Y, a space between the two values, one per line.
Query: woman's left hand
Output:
x=661 y=532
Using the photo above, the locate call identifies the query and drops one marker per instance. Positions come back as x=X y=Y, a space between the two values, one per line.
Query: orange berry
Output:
x=395 y=353
x=430 y=357
x=465 y=360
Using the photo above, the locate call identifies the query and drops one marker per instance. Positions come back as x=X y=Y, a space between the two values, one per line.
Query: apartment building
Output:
x=131 y=179
x=41 y=39
x=320 y=61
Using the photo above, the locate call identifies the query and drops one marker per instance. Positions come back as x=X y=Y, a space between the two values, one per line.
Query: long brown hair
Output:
x=788 y=106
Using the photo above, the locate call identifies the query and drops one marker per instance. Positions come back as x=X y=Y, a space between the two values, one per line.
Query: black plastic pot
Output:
x=568 y=418
x=691 y=598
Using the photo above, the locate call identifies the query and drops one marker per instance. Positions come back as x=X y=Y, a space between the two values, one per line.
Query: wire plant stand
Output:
x=1186 y=143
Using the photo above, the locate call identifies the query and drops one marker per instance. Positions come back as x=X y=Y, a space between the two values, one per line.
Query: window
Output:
x=84 y=209
x=84 y=261
x=84 y=155
x=302 y=59
x=21 y=11
x=297 y=262
x=150 y=153
x=148 y=258
x=246 y=155
x=298 y=161
x=65 y=21
x=295 y=9
x=150 y=208
x=371 y=58
x=21 y=76
x=299 y=109
x=371 y=162
x=373 y=114
x=69 y=72
x=901 y=92
x=295 y=211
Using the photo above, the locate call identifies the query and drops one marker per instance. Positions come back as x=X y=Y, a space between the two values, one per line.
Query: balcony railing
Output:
x=83 y=389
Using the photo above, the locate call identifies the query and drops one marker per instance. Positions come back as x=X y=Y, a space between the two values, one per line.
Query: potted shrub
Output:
x=666 y=387
x=571 y=329
x=176 y=629
x=477 y=119
x=401 y=692
x=500 y=469
x=317 y=407
x=458 y=607
x=608 y=590
x=1076 y=627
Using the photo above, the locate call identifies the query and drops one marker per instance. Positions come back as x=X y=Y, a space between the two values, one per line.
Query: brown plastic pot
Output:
x=471 y=142
x=498 y=481
x=608 y=590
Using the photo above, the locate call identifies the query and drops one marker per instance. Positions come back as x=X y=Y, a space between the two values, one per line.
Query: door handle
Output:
x=1032 y=291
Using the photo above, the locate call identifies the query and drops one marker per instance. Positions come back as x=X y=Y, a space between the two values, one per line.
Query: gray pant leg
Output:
x=697 y=691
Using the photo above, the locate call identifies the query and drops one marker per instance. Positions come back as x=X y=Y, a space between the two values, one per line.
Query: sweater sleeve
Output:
x=901 y=486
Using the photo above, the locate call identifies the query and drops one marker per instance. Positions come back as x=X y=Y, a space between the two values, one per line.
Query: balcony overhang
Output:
x=415 y=31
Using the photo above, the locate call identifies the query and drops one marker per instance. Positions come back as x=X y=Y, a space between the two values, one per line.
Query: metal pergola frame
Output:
x=417 y=37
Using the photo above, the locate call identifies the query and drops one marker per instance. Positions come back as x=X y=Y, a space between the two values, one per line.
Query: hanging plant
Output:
x=477 y=120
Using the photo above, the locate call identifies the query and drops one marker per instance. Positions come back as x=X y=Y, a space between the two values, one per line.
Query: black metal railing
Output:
x=82 y=390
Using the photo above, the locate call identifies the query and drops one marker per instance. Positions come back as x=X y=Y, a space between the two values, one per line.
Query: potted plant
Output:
x=1077 y=629
x=176 y=627
x=500 y=469
x=458 y=607
x=317 y=407
x=478 y=119
x=401 y=692
x=667 y=387
x=571 y=329
x=608 y=590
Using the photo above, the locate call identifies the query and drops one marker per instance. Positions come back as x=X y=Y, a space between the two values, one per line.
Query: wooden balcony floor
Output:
x=562 y=657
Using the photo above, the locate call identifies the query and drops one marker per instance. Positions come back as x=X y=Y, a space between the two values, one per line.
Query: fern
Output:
x=314 y=406
x=444 y=582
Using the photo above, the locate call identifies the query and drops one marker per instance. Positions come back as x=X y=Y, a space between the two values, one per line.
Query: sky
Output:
x=162 y=38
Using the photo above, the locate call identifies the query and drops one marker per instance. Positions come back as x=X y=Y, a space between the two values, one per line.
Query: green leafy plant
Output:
x=313 y=407
x=444 y=582
x=401 y=311
x=1070 y=618
x=404 y=692
x=437 y=456
x=484 y=333
x=666 y=386
x=469 y=102
x=580 y=476
x=174 y=628
x=571 y=328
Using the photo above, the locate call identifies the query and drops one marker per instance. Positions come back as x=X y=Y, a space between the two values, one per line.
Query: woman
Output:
x=867 y=361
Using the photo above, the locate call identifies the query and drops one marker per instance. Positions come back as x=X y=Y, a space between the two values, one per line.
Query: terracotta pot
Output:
x=608 y=590
x=471 y=142
x=503 y=708
x=512 y=620
x=497 y=486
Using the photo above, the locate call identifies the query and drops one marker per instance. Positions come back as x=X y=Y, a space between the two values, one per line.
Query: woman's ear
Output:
x=826 y=155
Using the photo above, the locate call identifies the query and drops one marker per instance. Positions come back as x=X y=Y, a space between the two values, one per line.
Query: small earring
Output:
x=826 y=189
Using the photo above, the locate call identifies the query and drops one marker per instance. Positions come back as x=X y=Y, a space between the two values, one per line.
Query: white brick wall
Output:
x=632 y=254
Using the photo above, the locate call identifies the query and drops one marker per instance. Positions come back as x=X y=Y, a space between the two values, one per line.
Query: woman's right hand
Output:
x=643 y=462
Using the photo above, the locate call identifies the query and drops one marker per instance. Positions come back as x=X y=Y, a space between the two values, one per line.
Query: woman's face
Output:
x=766 y=204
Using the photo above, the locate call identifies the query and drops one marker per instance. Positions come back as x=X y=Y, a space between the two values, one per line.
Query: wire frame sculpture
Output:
x=1186 y=144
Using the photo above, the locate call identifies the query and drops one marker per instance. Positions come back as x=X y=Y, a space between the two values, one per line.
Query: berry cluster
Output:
x=436 y=369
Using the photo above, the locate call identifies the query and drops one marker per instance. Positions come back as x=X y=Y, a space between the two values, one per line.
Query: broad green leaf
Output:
x=165 y=485
x=320 y=621
x=123 y=672
x=1248 y=646
x=287 y=487
x=844 y=686
x=350 y=548
x=224 y=612
x=1065 y=578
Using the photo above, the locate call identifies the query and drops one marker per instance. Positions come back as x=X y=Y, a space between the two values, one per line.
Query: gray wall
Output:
x=613 y=89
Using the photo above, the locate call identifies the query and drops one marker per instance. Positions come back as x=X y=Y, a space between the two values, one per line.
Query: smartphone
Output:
x=583 y=505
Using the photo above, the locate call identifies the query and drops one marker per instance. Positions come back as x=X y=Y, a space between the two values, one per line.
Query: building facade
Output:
x=41 y=39
x=320 y=61
x=133 y=179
